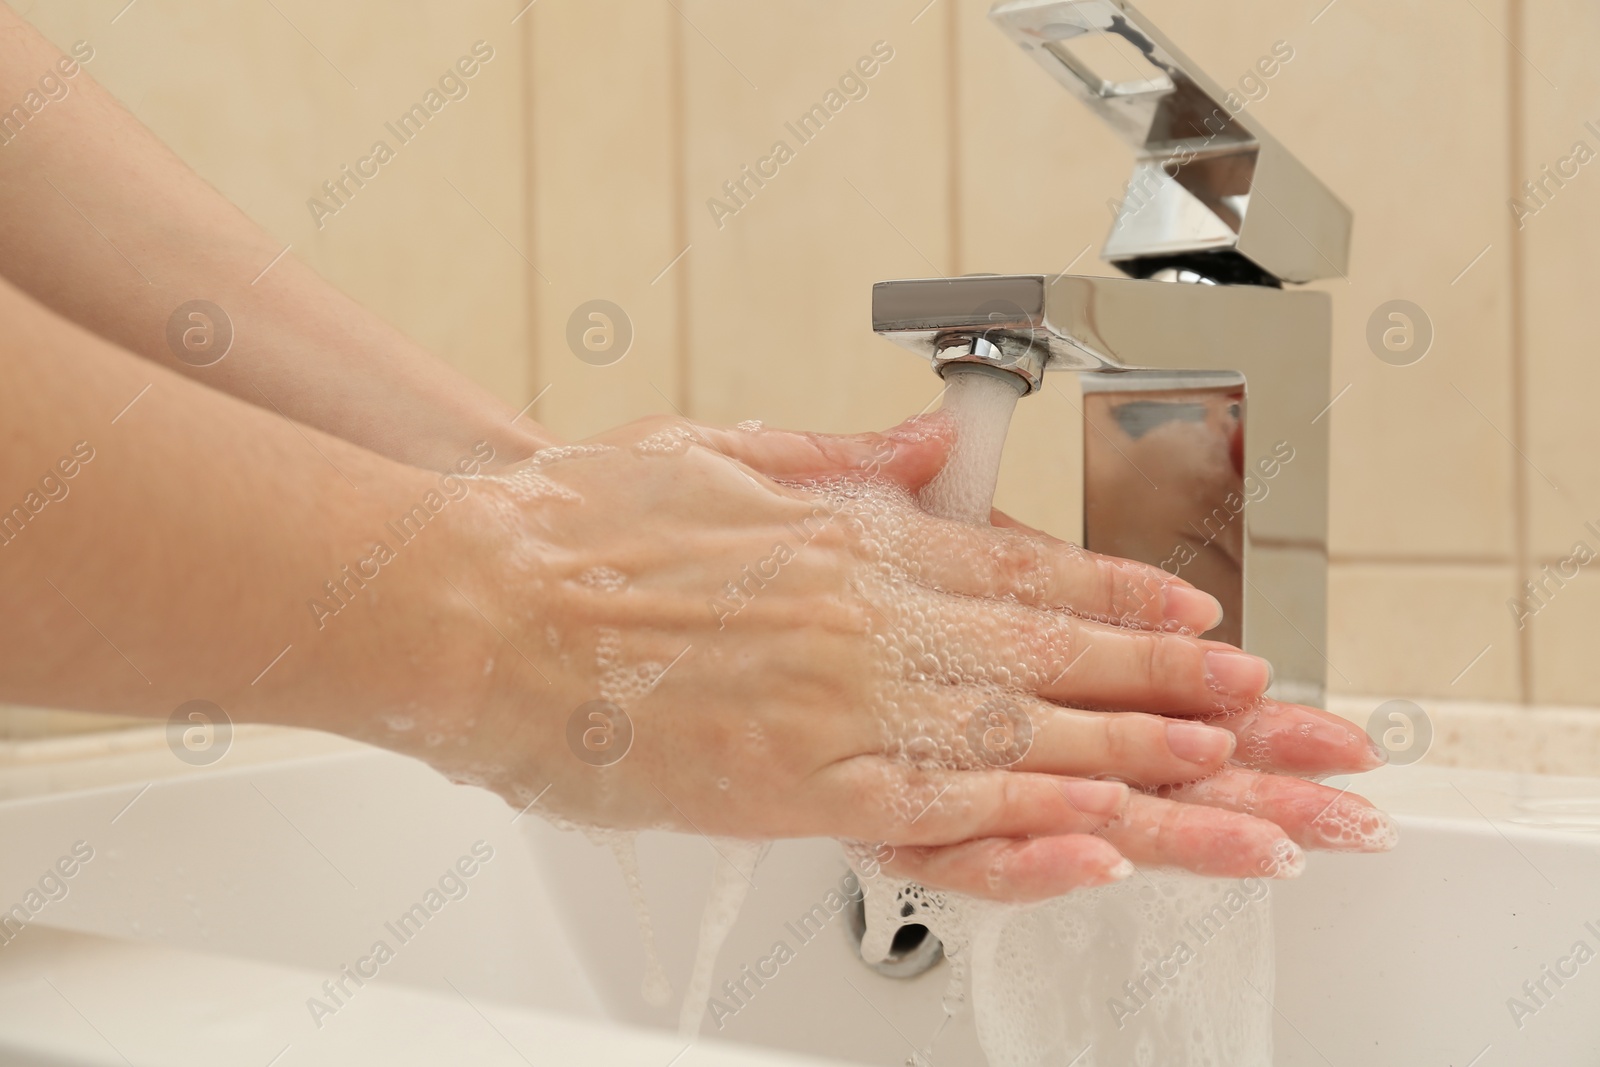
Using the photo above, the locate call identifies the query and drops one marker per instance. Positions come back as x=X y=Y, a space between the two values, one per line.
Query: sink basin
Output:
x=219 y=900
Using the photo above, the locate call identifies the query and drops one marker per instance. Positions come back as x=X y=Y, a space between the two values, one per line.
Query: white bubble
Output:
x=604 y=579
x=669 y=442
x=532 y=482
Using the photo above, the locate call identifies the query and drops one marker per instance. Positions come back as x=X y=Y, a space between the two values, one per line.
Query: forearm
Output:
x=102 y=223
x=179 y=550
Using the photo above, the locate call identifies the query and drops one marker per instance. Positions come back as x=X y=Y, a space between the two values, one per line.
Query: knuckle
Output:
x=1012 y=800
x=1171 y=659
x=1135 y=594
x=1010 y=560
x=1016 y=563
x=1108 y=585
x=1144 y=759
x=861 y=807
x=849 y=614
x=1149 y=659
x=1173 y=829
x=1125 y=735
x=824 y=531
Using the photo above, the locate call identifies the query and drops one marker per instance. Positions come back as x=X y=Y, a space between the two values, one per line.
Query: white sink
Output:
x=219 y=901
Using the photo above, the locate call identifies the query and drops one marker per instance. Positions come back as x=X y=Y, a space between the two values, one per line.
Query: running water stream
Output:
x=981 y=402
x=1165 y=968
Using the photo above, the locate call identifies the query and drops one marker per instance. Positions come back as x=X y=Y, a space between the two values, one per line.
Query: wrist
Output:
x=470 y=693
x=395 y=645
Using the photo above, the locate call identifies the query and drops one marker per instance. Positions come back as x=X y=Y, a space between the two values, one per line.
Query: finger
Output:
x=1012 y=870
x=1181 y=604
x=1294 y=739
x=1075 y=661
x=1171 y=674
x=1016 y=561
x=1142 y=750
x=1033 y=568
x=876 y=799
x=908 y=455
x=1062 y=658
x=1159 y=832
x=1313 y=815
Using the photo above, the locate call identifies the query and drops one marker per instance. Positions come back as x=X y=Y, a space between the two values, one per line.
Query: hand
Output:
x=831 y=689
x=1274 y=741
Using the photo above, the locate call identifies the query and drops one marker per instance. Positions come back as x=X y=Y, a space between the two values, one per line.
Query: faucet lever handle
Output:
x=1209 y=183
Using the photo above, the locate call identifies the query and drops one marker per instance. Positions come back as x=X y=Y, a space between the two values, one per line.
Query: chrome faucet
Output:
x=1206 y=384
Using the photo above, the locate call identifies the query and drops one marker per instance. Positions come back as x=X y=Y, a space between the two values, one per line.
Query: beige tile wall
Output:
x=588 y=153
x=604 y=151
x=1559 y=83
x=266 y=101
x=779 y=294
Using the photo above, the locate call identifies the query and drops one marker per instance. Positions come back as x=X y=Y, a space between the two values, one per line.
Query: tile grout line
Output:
x=530 y=198
x=1520 y=486
x=953 y=187
x=678 y=208
x=1391 y=559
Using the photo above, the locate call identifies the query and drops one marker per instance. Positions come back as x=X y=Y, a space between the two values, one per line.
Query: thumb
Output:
x=909 y=454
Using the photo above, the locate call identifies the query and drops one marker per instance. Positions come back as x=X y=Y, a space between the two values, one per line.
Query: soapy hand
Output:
x=1279 y=739
x=783 y=644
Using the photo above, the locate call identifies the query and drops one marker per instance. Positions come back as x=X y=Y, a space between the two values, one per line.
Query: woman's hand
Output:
x=773 y=661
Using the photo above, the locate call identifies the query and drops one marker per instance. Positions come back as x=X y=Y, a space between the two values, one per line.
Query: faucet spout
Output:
x=1015 y=358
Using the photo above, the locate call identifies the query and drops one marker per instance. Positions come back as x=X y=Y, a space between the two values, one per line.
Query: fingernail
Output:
x=1096 y=798
x=1380 y=755
x=1187 y=605
x=1197 y=743
x=1238 y=674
